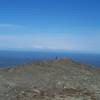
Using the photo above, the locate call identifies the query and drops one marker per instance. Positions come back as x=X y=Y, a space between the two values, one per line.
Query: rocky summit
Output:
x=56 y=79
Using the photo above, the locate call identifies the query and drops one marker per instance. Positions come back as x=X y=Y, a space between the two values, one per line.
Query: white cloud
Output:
x=38 y=47
x=5 y=25
x=81 y=43
x=42 y=47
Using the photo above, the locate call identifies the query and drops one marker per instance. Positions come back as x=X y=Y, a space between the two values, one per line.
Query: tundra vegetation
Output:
x=56 y=79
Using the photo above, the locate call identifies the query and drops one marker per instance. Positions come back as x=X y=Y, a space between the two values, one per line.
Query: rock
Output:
x=59 y=79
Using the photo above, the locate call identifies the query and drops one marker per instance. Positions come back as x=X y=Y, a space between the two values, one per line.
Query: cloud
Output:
x=77 y=43
x=42 y=47
x=38 y=47
x=5 y=25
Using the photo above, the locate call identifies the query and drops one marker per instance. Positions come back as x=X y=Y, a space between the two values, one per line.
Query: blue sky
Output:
x=50 y=24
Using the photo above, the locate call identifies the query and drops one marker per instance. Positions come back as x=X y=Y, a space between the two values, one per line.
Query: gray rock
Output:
x=60 y=79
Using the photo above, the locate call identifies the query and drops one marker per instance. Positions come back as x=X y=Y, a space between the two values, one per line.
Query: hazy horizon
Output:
x=68 y=25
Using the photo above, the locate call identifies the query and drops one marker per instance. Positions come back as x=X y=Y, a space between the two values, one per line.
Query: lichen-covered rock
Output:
x=60 y=79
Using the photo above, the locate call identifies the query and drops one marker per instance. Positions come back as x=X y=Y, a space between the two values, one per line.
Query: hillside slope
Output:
x=59 y=79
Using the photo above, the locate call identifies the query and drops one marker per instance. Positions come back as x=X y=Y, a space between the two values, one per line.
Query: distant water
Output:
x=10 y=58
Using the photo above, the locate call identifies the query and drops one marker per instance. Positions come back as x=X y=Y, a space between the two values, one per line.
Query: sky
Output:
x=71 y=25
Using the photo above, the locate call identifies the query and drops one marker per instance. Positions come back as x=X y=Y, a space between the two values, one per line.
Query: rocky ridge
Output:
x=56 y=79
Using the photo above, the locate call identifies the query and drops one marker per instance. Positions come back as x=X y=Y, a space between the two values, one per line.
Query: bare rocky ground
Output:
x=59 y=79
